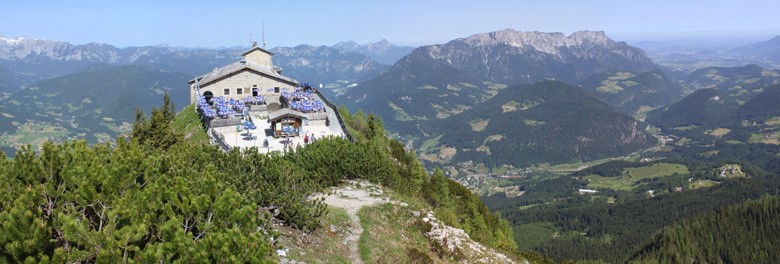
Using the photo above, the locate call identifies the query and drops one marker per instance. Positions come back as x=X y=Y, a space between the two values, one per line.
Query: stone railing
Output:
x=220 y=140
x=338 y=116
x=219 y=122
x=261 y=107
x=316 y=116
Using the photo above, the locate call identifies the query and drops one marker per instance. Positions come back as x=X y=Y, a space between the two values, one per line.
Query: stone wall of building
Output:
x=259 y=57
x=246 y=80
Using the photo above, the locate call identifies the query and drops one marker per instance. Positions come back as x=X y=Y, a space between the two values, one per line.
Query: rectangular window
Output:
x=227 y=91
x=239 y=90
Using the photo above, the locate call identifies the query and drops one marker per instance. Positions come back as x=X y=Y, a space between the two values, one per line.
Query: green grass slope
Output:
x=187 y=122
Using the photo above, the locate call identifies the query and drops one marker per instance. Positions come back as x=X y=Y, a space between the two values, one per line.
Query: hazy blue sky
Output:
x=412 y=22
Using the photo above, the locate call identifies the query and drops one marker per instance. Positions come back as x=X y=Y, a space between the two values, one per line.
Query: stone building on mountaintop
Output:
x=254 y=75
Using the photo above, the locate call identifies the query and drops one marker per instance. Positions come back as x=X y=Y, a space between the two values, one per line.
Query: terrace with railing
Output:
x=224 y=117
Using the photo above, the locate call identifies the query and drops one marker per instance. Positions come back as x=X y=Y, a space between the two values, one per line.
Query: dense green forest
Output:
x=705 y=108
x=156 y=197
x=612 y=232
x=744 y=233
x=552 y=219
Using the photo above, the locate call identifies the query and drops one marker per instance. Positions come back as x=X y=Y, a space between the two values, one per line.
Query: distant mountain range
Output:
x=325 y=64
x=446 y=89
x=36 y=60
x=457 y=74
x=32 y=60
x=769 y=49
x=383 y=51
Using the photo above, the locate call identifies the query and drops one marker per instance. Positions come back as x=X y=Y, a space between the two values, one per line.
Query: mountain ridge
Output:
x=532 y=56
x=324 y=64
x=769 y=49
x=382 y=51
x=442 y=80
x=37 y=59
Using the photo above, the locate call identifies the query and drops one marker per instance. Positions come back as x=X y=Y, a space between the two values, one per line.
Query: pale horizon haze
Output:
x=214 y=24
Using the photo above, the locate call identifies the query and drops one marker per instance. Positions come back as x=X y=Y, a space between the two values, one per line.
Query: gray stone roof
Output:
x=219 y=73
x=284 y=112
x=257 y=48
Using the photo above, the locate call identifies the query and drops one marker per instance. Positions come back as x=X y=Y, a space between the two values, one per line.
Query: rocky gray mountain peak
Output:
x=541 y=41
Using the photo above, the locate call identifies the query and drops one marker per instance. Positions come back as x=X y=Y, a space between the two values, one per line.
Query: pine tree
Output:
x=156 y=132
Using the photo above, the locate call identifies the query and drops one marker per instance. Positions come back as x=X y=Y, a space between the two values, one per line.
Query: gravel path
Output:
x=352 y=198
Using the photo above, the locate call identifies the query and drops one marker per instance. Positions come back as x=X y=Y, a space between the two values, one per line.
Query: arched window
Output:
x=208 y=95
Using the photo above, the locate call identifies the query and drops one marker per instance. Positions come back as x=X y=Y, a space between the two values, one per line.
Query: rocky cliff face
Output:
x=515 y=57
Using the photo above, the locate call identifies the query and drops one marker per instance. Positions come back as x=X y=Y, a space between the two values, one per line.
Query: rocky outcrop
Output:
x=456 y=244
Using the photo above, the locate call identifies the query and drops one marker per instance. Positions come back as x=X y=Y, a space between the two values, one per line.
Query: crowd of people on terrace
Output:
x=254 y=100
x=303 y=101
x=224 y=107
x=203 y=106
